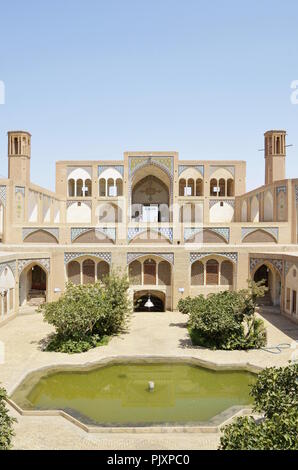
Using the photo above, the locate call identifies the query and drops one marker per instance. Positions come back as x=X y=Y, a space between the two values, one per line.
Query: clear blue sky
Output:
x=92 y=78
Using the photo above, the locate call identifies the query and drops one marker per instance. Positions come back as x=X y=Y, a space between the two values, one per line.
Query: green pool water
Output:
x=119 y=394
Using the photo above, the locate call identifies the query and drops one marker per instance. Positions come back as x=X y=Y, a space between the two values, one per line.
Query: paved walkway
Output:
x=155 y=334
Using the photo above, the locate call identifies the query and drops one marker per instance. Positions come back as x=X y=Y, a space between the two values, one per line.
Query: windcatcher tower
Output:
x=275 y=156
x=19 y=154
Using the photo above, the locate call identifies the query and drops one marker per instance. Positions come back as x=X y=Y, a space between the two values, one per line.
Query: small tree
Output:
x=226 y=320
x=6 y=423
x=276 y=396
x=84 y=316
x=115 y=305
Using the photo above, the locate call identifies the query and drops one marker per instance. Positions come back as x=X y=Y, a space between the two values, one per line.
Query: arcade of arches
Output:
x=87 y=271
x=150 y=272
x=212 y=273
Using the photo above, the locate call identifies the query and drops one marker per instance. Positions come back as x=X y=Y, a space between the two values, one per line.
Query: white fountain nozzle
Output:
x=151 y=386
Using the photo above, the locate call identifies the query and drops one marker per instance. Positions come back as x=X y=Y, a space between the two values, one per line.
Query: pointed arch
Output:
x=268 y=207
x=259 y=236
x=40 y=236
x=244 y=212
x=255 y=210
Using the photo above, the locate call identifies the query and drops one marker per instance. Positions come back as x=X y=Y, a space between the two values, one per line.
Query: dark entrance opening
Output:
x=141 y=300
x=39 y=279
x=262 y=274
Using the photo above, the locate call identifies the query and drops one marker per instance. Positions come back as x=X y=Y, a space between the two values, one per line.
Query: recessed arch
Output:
x=92 y=236
x=244 y=211
x=207 y=236
x=7 y=287
x=149 y=236
x=157 y=298
x=222 y=211
x=40 y=236
x=197 y=273
x=135 y=273
x=212 y=272
x=109 y=212
x=74 y=272
x=226 y=273
x=33 y=285
x=164 y=273
x=255 y=210
x=87 y=269
x=150 y=198
x=78 y=212
x=259 y=236
x=268 y=207
x=266 y=272
x=150 y=270
x=162 y=177
x=281 y=207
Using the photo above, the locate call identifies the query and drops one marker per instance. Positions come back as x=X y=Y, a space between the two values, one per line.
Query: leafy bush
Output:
x=226 y=320
x=6 y=423
x=72 y=346
x=276 y=397
x=85 y=316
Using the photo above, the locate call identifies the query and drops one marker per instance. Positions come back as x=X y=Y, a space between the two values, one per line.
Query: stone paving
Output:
x=154 y=334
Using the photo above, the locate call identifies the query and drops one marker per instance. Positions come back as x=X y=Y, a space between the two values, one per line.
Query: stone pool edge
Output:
x=212 y=426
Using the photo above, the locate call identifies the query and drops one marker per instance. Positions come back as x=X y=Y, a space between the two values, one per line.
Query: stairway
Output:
x=36 y=298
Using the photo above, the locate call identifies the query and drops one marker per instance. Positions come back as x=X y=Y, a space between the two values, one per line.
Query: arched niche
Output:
x=221 y=212
x=78 y=212
x=207 y=236
x=259 y=236
x=40 y=236
x=255 y=210
x=244 y=211
x=93 y=236
x=268 y=207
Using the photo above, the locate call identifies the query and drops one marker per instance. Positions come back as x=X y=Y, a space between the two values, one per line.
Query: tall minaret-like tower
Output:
x=19 y=153
x=275 y=156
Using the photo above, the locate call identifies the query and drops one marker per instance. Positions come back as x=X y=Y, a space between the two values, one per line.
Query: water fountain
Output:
x=151 y=386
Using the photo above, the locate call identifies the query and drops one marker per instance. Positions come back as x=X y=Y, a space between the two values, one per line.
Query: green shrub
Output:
x=276 y=396
x=85 y=316
x=226 y=320
x=6 y=423
x=115 y=305
x=59 y=343
x=276 y=390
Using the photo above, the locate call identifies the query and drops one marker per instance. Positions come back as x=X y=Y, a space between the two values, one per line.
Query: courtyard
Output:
x=148 y=334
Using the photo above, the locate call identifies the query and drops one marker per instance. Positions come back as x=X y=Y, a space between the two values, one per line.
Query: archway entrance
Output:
x=148 y=301
x=33 y=286
x=150 y=198
x=272 y=282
